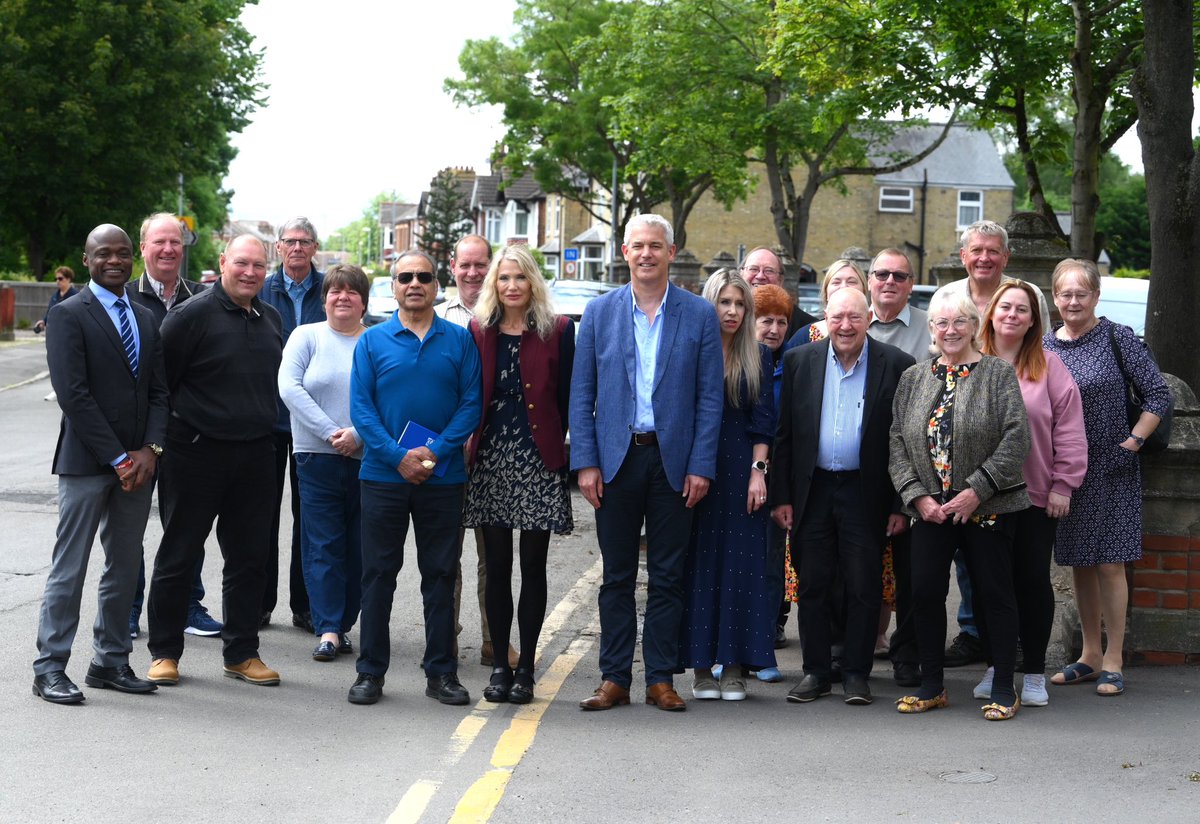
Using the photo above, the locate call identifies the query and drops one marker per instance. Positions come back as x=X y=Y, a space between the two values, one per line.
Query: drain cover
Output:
x=960 y=777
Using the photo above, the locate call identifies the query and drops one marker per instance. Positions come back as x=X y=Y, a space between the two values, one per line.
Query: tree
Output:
x=105 y=103
x=1163 y=93
x=447 y=218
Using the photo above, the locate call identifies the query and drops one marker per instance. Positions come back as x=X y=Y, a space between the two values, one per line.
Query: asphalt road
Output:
x=217 y=749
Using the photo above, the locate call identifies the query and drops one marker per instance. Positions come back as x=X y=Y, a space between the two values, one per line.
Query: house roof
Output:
x=487 y=190
x=967 y=158
x=597 y=233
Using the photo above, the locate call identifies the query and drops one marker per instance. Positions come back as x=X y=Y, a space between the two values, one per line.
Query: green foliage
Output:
x=447 y=218
x=1123 y=220
x=1136 y=274
x=105 y=103
x=353 y=237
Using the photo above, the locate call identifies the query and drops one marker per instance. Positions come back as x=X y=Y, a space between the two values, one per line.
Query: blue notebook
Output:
x=415 y=435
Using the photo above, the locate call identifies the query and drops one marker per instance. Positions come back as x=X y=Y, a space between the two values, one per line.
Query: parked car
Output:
x=808 y=299
x=922 y=293
x=569 y=297
x=1123 y=300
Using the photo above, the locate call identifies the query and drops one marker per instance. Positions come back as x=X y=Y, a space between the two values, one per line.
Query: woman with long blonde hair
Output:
x=729 y=607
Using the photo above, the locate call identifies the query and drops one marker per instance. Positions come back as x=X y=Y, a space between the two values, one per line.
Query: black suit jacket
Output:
x=795 y=454
x=106 y=411
x=143 y=292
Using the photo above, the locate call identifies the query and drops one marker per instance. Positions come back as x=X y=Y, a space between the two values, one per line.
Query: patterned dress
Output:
x=509 y=486
x=1105 y=522
x=729 y=612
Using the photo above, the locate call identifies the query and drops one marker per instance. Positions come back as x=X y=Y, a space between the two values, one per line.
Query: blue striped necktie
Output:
x=127 y=337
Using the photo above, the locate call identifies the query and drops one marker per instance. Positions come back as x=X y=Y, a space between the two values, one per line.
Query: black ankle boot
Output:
x=521 y=691
x=497 y=690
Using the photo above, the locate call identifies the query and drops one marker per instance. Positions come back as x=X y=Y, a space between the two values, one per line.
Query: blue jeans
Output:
x=330 y=538
x=966 y=607
x=436 y=514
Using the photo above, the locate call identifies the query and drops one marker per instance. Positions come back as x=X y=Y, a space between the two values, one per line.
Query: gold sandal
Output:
x=911 y=703
x=999 y=712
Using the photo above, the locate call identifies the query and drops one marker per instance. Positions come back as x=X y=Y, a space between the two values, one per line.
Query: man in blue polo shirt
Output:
x=419 y=369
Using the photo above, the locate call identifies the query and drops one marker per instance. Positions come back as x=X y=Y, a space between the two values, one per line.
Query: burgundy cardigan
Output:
x=546 y=380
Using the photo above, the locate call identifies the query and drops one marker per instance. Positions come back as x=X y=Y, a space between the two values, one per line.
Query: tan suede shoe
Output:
x=254 y=671
x=163 y=671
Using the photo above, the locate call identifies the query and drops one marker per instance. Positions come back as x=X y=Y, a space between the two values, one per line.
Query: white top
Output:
x=314 y=383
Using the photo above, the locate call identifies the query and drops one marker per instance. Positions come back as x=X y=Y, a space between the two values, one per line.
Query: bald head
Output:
x=846 y=317
x=243 y=269
x=108 y=256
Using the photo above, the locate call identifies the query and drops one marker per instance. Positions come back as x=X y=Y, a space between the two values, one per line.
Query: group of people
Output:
x=767 y=458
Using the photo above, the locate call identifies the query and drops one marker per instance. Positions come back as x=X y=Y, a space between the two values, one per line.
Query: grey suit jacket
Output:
x=106 y=410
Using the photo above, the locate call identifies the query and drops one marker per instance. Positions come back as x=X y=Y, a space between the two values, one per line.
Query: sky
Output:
x=356 y=107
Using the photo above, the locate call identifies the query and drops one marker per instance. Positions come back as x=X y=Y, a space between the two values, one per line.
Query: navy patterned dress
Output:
x=729 y=603
x=1105 y=522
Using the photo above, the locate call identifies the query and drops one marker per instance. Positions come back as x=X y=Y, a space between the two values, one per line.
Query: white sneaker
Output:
x=733 y=684
x=704 y=686
x=1033 y=691
x=984 y=688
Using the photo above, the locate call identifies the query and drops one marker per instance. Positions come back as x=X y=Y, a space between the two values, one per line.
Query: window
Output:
x=521 y=222
x=895 y=199
x=970 y=208
x=591 y=261
x=552 y=264
x=493 y=219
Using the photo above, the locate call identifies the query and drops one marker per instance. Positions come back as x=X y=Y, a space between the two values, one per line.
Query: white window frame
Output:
x=591 y=261
x=897 y=199
x=975 y=203
x=493 y=224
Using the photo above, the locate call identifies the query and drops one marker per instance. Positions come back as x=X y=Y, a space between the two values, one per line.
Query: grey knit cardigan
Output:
x=990 y=443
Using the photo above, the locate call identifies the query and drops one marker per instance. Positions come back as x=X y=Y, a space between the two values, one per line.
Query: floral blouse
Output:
x=940 y=435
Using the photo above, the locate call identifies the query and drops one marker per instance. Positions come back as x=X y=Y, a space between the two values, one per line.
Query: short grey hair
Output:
x=298 y=222
x=650 y=219
x=154 y=218
x=417 y=253
x=985 y=227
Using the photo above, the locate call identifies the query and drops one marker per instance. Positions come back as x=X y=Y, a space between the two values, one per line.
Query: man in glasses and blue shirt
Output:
x=413 y=371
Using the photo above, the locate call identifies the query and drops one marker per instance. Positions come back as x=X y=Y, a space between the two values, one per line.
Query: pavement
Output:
x=214 y=748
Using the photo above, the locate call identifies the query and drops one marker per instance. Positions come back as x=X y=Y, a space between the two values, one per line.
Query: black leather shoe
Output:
x=963 y=650
x=810 y=688
x=447 y=689
x=344 y=645
x=303 y=620
x=325 y=651
x=906 y=674
x=780 y=637
x=856 y=690
x=498 y=687
x=56 y=688
x=367 y=689
x=522 y=688
x=117 y=678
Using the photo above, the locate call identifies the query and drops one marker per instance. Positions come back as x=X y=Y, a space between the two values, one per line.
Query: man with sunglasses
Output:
x=294 y=289
x=414 y=371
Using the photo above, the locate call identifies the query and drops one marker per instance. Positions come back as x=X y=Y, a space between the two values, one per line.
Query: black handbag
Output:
x=1160 y=438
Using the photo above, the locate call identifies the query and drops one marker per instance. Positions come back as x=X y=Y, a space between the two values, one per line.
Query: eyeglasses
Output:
x=959 y=324
x=760 y=270
x=62 y=280
x=296 y=241
x=1070 y=297
x=883 y=274
x=406 y=277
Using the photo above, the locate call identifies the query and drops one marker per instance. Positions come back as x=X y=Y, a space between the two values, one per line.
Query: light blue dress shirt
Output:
x=646 y=338
x=297 y=291
x=842 y=398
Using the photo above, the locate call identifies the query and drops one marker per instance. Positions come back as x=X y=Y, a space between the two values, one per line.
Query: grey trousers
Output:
x=87 y=503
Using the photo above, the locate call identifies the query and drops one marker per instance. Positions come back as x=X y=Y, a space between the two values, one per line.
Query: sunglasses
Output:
x=407 y=277
x=883 y=274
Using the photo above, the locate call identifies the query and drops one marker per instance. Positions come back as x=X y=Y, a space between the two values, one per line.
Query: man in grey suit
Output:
x=646 y=451
x=106 y=367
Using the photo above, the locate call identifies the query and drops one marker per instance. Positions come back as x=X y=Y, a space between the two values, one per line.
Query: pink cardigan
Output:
x=1057 y=458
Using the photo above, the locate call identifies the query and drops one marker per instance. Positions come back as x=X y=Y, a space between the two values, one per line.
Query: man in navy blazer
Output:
x=106 y=366
x=645 y=414
x=829 y=483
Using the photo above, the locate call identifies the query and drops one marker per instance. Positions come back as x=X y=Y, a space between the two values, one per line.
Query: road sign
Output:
x=570 y=267
x=571 y=253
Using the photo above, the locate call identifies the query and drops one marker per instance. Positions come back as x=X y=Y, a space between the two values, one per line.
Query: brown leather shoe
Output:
x=606 y=696
x=253 y=671
x=164 y=671
x=487 y=657
x=664 y=697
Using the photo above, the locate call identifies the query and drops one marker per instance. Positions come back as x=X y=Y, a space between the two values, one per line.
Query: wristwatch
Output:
x=761 y=466
x=156 y=449
x=1139 y=441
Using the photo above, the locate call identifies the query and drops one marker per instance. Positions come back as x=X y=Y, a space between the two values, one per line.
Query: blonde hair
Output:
x=1091 y=274
x=540 y=315
x=744 y=361
x=837 y=266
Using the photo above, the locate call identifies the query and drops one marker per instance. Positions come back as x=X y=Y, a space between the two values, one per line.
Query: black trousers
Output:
x=297 y=592
x=203 y=481
x=834 y=535
x=989 y=554
x=1032 y=547
x=903 y=643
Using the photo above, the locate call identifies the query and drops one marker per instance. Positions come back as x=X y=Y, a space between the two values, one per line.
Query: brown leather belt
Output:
x=645 y=438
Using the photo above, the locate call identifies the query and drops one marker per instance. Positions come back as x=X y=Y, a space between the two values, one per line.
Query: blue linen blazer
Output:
x=688 y=393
